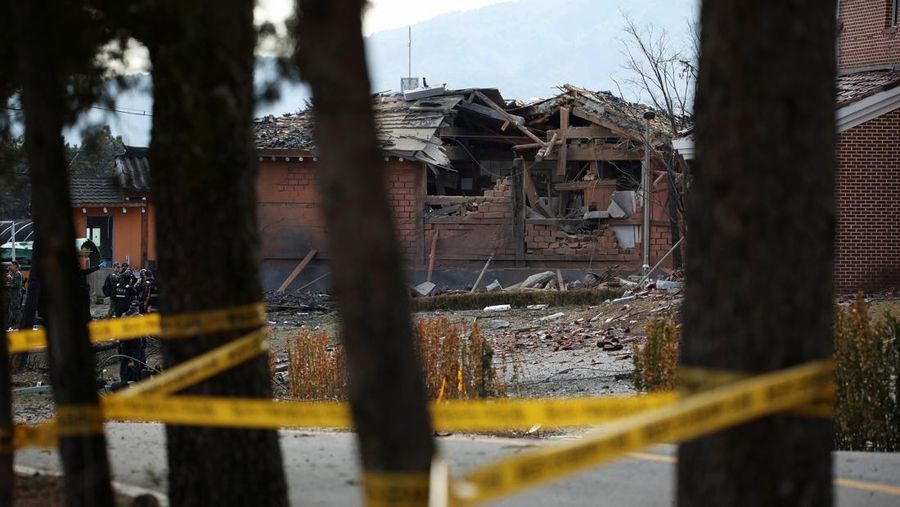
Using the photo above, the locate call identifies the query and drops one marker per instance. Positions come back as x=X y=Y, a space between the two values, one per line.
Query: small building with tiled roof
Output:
x=116 y=211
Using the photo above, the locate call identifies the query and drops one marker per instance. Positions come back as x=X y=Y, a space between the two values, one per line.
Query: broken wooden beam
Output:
x=318 y=279
x=561 y=158
x=481 y=275
x=434 y=238
x=510 y=118
x=296 y=272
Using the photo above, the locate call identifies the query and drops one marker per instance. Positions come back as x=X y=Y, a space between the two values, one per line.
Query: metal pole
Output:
x=409 y=58
x=14 y=240
x=648 y=207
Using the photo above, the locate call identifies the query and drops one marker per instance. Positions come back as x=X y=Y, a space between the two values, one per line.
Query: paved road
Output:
x=322 y=470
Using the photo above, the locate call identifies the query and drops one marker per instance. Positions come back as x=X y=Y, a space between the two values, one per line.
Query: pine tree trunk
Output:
x=42 y=67
x=7 y=478
x=759 y=295
x=203 y=171
x=386 y=392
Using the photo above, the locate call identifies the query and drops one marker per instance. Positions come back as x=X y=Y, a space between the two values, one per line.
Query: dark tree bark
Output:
x=759 y=295
x=203 y=170
x=386 y=393
x=45 y=55
x=7 y=478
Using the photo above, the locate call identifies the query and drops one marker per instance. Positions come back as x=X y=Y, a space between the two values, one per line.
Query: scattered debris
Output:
x=495 y=285
x=554 y=316
x=424 y=289
x=499 y=324
x=497 y=308
x=538 y=307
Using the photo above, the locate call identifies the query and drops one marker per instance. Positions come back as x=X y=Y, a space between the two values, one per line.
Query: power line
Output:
x=112 y=110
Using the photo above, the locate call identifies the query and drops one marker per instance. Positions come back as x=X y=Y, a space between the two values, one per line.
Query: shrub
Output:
x=867 y=359
x=867 y=366
x=457 y=364
x=316 y=367
x=461 y=365
x=656 y=363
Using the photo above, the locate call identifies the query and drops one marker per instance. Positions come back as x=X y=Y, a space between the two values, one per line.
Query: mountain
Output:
x=523 y=48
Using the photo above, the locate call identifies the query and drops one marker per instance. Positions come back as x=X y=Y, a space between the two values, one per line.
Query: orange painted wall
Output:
x=126 y=230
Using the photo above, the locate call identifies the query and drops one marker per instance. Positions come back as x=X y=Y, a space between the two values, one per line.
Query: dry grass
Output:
x=316 y=368
x=457 y=362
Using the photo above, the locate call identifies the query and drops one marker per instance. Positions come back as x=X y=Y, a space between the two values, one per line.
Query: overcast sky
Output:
x=381 y=14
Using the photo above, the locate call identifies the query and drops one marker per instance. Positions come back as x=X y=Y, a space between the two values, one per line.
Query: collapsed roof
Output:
x=409 y=124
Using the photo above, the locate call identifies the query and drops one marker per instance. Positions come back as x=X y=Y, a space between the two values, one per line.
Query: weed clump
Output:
x=458 y=363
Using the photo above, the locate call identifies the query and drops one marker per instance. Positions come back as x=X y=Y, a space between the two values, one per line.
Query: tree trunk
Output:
x=759 y=295
x=386 y=392
x=41 y=33
x=203 y=170
x=7 y=478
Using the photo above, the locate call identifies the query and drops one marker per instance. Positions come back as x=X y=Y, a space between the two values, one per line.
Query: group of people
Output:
x=131 y=292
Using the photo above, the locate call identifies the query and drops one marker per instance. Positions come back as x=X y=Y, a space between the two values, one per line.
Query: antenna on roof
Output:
x=409 y=82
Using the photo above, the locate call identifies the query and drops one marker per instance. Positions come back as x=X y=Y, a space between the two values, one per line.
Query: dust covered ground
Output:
x=542 y=351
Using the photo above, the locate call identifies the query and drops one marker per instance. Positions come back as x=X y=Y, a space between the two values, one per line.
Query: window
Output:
x=895 y=12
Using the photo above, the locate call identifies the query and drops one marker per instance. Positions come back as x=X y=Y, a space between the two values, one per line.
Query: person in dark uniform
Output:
x=131 y=364
x=124 y=293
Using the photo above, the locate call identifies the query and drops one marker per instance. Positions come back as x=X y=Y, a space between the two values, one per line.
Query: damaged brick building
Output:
x=471 y=177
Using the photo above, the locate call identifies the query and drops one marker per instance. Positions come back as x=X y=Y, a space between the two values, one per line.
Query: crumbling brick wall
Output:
x=866 y=36
x=290 y=217
x=482 y=229
x=545 y=239
x=867 y=253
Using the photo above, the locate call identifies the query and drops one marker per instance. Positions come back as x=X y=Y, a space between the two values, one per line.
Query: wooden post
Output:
x=296 y=272
x=434 y=238
x=144 y=237
x=518 y=210
x=563 y=148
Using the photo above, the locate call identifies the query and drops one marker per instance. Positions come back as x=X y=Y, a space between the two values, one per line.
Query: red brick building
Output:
x=867 y=255
x=867 y=193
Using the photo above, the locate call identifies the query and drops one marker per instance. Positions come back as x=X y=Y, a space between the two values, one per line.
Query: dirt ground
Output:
x=539 y=351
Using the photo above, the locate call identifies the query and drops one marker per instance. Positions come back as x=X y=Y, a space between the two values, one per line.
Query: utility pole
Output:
x=648 y=182
x=14 y=240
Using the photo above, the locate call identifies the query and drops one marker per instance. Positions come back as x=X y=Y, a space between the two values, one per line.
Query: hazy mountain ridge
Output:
x=524 y=49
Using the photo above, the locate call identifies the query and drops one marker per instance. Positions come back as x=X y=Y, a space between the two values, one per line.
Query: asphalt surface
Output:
x=322 y=470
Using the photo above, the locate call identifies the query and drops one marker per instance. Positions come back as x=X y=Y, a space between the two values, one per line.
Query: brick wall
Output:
x=290 y=217
x=866 y=36
x=867 y=255
x=485 y=227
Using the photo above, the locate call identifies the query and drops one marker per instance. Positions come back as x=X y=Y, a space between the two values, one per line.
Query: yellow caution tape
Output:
x=453 y=415
x=690 y=418
x=694 y=380
x=41 y=436
x=202 y=367
x=396 y=489
x=214 y=321
x=78 y=420
x=174 y=326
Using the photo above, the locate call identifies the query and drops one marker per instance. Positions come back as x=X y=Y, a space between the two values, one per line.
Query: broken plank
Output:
x=560 y=281
x=318 y=279
x=434 y=238
x=531 y=193
x=296 y=272
x=561 y=158
x=481 y=275
x=502 y=112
